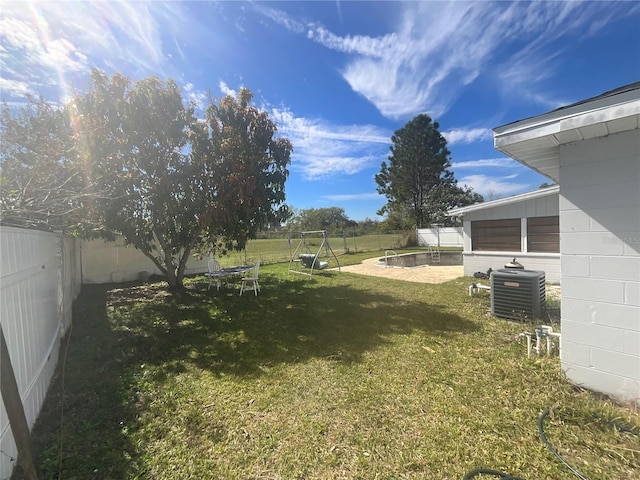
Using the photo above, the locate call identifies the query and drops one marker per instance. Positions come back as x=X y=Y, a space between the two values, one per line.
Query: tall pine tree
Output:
x=417 y=181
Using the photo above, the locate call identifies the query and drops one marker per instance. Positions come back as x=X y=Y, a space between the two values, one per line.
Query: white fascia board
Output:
x=542 y=192
x=587 y=113
x=534 y=141
x=548 y=128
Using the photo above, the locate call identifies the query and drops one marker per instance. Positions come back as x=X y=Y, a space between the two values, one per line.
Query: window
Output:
x=496 y=235
x=543 y=234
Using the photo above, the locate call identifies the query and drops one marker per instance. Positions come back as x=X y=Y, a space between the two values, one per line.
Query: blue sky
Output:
x=339 y=78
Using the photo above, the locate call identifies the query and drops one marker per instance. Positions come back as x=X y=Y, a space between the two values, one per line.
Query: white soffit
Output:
x=535 y=141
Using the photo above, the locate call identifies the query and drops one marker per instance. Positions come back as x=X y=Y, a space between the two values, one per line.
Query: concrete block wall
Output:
x=482 y=261
x=600 y=264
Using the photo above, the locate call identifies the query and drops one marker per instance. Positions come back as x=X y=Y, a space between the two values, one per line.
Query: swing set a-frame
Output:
x=304 y=261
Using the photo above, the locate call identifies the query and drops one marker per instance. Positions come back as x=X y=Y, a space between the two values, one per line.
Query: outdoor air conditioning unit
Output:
x=517 y=294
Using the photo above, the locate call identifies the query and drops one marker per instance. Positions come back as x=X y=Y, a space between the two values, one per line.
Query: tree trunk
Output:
x=182 y=265
x=174 y=281
x=173 y=278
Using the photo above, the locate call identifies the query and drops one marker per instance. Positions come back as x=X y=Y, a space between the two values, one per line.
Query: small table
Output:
x=230 y=271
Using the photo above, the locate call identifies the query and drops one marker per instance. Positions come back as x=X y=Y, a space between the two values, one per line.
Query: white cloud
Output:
x=322 y=150
x=323 y=166
x=62 y=54
x=353 y=196
x=281 y=18
x=465 y=136
x=224 y=88
x=46 y=43
x=493 y=186
x=29 y=48
x=317 y=129
x=486 y=163
x=358 y=44
x=15 y=88
x=18 y=34
x=198 y=97
x=436 y=49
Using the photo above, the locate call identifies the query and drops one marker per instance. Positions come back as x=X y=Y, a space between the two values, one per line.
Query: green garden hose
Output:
x=543 y=437
x=488 y=471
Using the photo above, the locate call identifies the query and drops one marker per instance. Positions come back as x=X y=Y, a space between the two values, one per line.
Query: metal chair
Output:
x=212 y=267
x=250 y=282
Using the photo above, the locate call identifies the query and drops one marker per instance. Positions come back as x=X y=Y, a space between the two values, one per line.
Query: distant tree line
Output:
x=333 y=219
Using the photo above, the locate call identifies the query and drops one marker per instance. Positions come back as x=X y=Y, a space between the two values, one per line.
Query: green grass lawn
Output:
x=337 y=376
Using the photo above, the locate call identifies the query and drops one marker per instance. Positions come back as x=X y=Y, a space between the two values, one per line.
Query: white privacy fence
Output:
x=39 y=279
x=440 y=237
x=40 y=276
x=115 y=262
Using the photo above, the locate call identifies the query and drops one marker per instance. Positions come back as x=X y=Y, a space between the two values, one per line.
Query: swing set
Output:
x=304 y=261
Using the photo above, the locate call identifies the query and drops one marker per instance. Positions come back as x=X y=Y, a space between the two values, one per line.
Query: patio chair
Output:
x=250 y=282
x=212 y=267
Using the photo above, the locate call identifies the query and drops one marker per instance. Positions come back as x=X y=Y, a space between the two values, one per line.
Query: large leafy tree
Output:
x=41 y=184
x=244 y=171
x=177 y=184
x=417 y=182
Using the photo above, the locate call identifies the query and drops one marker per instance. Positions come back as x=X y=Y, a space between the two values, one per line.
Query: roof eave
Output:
x=535 y=141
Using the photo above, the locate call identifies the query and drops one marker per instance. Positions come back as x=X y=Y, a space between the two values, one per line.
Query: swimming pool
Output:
x=419 y=259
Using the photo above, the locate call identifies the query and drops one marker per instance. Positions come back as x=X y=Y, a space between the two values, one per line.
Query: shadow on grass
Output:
x=119 y=330
x=225 y=333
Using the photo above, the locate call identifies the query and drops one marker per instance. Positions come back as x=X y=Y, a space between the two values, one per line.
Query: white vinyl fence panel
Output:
x=116 y=262
x=70 y=276
x=441 y=237
x=39 y=279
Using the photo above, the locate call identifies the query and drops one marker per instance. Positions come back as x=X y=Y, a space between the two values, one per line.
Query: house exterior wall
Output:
x=600 y=245
x=481 y=261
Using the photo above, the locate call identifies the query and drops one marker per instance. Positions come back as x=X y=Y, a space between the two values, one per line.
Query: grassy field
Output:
x=337 y=376
x=277 y=250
